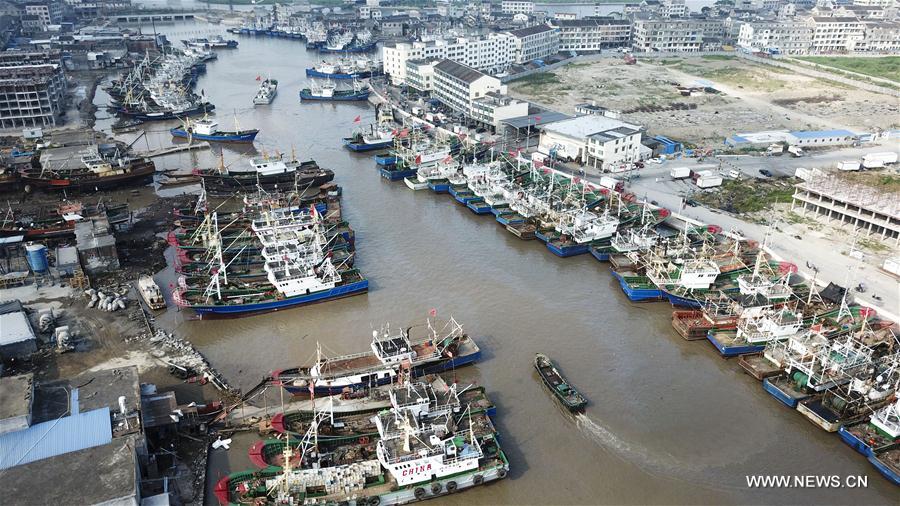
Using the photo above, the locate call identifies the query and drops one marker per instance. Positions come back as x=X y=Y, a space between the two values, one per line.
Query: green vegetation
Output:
x=747 y=196
x=718 y=57
x=886 y=67
x=880 y=180
x=873 y=245
x=538 y=79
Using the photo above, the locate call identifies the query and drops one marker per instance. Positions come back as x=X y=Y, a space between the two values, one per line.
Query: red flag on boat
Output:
x=537 y=118
x=418 y=159
x=404 y=132
x=357 y=120
x=433 y=312
x=259 y=78
x=538 y=163
x=394 y=132
x=312 y=389
x=448 y=159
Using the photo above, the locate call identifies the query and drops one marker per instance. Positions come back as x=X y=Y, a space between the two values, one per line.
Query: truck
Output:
x=795 y=151
x=707 y=179
x=849 y=165
x=680 y=172
x=611 y=183
x=775 y=149
x=879 y=160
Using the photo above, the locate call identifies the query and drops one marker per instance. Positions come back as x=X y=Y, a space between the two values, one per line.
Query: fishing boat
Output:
x=213 y=42
x=265 y=171
x=328 y=92
x=442 y=347
x=344 y=69
x=567 y=395
x=414 y=460
x=94 y=173
x=207 y=129
x=266 y=93
x=377 y=137
x=151 y=293
x=879 y=433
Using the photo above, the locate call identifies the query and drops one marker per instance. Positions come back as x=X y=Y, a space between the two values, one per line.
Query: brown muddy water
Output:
x=669 y=421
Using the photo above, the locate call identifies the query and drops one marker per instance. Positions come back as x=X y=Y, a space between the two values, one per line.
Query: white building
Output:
x=535 y=42
x=673 y=9
x=836 y=34
x=592 y=35
x=787 y=37
x=875 y=3
x=593 y=140
x=493 y=53
x=474 y=94
x=677 y=35
x=883 y=37
x=517 y=6
x=420 y=74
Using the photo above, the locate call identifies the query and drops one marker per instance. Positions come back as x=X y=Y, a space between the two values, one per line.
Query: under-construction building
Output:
x=876 y=212
x=32 y=89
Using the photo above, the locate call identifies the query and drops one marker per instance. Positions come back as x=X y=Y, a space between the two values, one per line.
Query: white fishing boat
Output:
x=266 y=93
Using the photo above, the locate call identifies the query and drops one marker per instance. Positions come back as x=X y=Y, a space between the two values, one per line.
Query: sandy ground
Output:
x=753 y=97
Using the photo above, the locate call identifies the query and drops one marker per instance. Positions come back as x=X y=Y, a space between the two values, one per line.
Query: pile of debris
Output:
x=108 y=301
x=184 y=361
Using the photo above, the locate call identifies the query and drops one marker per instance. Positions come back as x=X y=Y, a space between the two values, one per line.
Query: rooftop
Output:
x=531 y=30
x=459 y=71
x=94 y=390
x=16 y=393
x=67 y=434
x=15 y=328
x=535 y=120
x=100 y=475
x=817 y=134
x=585 y=126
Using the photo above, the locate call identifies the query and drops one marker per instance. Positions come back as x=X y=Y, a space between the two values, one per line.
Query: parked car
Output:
x=766 y=172
x=691 y=202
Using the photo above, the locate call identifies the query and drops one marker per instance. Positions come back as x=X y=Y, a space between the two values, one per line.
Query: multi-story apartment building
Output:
x=593 y=34
x=677 y=35
x=48 y=12
x=475 y=95
x=493 y=53
x=875 y=3
x=93 y=8
x=535 y=42
x=882 y=37
x=517 y=7
x=836 y=34
x=420 y=74
x=32 y=89
x=785 y=37
x=673 y=9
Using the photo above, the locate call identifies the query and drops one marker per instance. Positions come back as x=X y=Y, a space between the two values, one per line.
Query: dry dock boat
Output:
x=151 y=293
x=570 y=398
x=443 y=347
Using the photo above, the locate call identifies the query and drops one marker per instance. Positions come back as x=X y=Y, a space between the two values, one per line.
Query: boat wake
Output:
x=660 y=465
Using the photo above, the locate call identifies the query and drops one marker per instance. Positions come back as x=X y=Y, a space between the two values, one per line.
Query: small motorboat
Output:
x=570 y=398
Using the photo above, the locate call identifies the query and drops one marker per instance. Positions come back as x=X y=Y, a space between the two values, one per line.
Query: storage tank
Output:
x=37 y=257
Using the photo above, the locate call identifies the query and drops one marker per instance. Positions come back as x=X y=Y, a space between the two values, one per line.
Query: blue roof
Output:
x=56 y=437
x=812 y=134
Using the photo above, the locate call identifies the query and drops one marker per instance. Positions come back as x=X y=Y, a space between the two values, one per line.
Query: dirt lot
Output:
x=753 y=97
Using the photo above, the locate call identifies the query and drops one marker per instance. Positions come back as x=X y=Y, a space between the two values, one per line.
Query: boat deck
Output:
x=758 y=366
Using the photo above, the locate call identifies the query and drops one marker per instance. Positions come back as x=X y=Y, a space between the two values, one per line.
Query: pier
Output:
x=142 y=17
x=175 y=149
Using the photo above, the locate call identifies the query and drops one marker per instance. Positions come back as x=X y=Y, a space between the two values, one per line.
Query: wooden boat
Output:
x=570 y=398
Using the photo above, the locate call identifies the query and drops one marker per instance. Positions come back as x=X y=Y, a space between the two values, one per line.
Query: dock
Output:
x=175 y=149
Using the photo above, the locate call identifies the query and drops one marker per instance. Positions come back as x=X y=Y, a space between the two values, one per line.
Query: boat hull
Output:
x=348 y=97
x=637 y=294
x=891 y=474
x=243 y=136
x=311 y=72
x=138 y=174
x=421 y=370
x=854 y=442
x=337 y=292
x=362 y=147
x=732 y=350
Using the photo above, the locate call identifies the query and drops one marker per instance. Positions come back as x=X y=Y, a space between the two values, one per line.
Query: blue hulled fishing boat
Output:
x=207 y=129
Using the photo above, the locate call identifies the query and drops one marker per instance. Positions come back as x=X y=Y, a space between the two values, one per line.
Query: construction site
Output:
x=700 y=100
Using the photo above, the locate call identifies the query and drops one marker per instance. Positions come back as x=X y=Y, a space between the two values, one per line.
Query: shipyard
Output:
x=499 y=252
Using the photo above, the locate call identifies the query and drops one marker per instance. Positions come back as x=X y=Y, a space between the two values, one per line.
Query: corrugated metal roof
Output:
x=817 y=134
x=56 y=437
x=15 y=328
